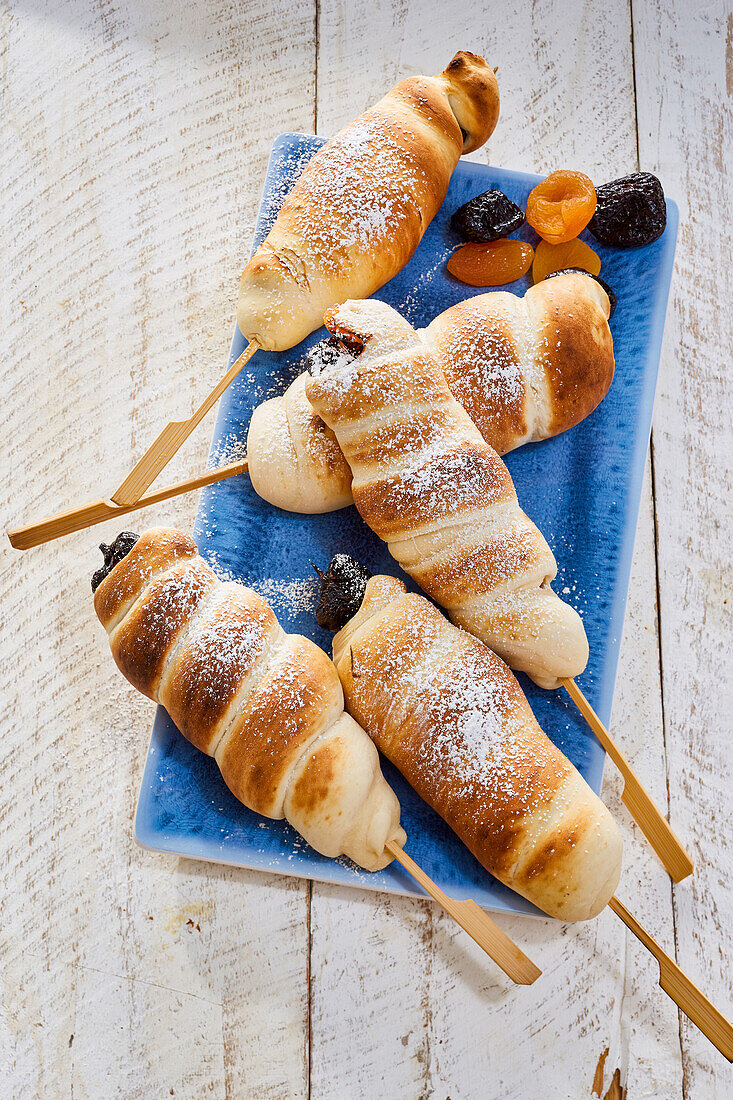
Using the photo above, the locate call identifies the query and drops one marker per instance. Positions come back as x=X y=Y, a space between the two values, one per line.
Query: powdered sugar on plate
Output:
x=296 y=596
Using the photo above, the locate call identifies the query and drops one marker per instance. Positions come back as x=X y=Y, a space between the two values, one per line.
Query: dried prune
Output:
x=612 y=300
x=342 y=590
x=327 y=353
x=113 y=555
x=559 y=257
x=561 y=205
x=491 y=264
x=631 y=211
x=487 y=217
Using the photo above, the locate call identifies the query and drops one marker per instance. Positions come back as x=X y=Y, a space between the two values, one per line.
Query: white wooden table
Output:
x=135 y=138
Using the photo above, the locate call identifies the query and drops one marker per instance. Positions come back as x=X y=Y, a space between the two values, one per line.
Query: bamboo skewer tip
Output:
x=643 y=809
x=478 y=924
x=680 y=988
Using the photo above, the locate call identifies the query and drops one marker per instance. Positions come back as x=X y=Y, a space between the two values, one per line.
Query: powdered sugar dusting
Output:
x=286 y=173
x=339 y=357
x=163 y=613
x=174 y=594
x=226 y=644
x=472 y=737
x=370 y=179
x=440 y=482
x=480 y=362
x=456 y=724
x=294 y=597
x=229 y=448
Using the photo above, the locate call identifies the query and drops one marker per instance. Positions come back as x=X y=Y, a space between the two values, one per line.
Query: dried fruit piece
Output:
x=326 y=353
x=342 y=590
x=113 y=555
x=488 y=217
x=631 y=211
x=561 y=206
x=559 y=257
x=491 y=264
x=613 y=301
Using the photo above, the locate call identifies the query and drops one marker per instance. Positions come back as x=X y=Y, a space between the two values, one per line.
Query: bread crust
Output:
x=527 y=368
x=358 y=211
x=266 y=705
x=427 y=483
x=453 y=719
x=524 y=369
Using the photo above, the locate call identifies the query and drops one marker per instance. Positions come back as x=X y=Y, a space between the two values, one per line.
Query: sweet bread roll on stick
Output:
x=452 y=717
x=266 y=705
x=427 y=483
x=359 y=210
x=523 y=369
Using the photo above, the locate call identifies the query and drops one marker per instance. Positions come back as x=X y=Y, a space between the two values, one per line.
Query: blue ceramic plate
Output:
x=582 y=489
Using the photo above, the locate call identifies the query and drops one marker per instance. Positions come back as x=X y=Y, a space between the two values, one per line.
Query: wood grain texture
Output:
x=135 y=137
x=685 y=82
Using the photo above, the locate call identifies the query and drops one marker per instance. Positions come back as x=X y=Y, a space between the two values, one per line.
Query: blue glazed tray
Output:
x=581 y=488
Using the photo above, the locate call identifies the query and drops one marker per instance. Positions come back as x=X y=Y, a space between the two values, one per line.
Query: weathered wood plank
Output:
x=684 y=76
x=132 y=133
x=467 y=1032
x=135 y=140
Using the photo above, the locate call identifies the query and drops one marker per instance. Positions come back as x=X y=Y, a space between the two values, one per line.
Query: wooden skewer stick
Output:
x=680 y=988
x=174 y=434
x=648 y=817
x=97 y=511
x=477 y=923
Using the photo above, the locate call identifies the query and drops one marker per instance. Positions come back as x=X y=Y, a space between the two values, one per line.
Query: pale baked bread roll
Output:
x=266 y=705
x=358 y=212
x=524 y=369
x=427 y=483
x=453 y=719
x=293 y=459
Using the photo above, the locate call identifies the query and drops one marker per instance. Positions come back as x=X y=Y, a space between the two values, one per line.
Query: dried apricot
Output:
x=631 y=211
x=560 y=206
x=557 y=257
x=491 y=264
x=488 y=217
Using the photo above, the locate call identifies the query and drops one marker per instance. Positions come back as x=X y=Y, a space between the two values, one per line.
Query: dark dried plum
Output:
x=342 y=590
x=113 y=555
x=613 y=301
x=327 y=353
x=487 y=217
x=631 y=211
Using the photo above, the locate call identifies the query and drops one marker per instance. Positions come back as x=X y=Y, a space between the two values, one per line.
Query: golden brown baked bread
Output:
x=359 y=210
x=266 y=705
x=527 y=368
x=428 y=484
x=524 y=369
x=452 y=717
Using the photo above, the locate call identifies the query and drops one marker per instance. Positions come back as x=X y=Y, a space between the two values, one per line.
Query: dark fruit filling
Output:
x=342 y=590
x=327 y=353
x=601 y=282
x=113 y=555
x=487 y=217
x=630 y=211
